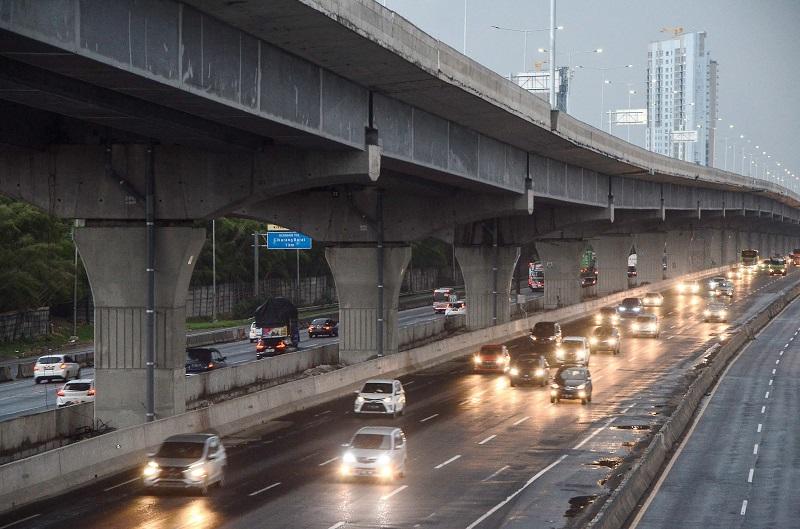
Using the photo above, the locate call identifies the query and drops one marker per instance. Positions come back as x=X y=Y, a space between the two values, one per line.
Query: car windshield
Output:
x=603 y=331
x=77 y=386
x=199 y=355
x=544 y=329
x=528 y=361
x=645 y=319
x=377 y=387
x=630 y=302
x=572 y=377
x=572 y=345
x=371 y=441
x=180 y=450
x=776 y=262
x=49 y=360
x=319 y=321
x=491 y=350
x=441 y=296
x=651 y=296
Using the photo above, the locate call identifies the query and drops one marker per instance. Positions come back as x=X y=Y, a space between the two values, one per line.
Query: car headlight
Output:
x=581 y=393
x=723 y=312
x=197 y=472
x=612 y=341
x=476 y=359
x=707 y=312
x=636 y=309
x=559 y=353
x=383 y=459
x=348 y=458
x=501 y=360
x=359 y=400
x=582 y=386
x=151 y=469
x=593 y=340
x=514 y=371
x=635 y=327
x=533 y=338
x=622 y=309
x=681 y=288
x=387 y=400
x=539 y=372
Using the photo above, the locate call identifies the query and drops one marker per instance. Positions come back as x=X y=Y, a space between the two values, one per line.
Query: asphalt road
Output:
x=474 y=442
x=740 y=466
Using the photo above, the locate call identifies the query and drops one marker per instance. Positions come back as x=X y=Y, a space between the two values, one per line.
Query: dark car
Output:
x=605 y=338
x=572 y=382
x=546 y=331
x=529 y=369
x=323 y=327
x=630 y=307
x=492 y=357
x=202 y=359
x=631 y=271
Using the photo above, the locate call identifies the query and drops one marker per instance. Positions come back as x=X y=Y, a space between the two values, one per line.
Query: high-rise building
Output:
x=681 y=98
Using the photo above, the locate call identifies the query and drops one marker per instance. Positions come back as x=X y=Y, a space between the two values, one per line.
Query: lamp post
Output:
x=552 y=54
x=602 y=87
x=628 y=135
x=524 y=40
x=602 y=103
x=569 y=54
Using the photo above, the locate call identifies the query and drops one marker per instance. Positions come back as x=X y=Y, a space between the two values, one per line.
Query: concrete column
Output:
x=562 y=271
x=649 y=256
x=679 y=253
x=115 y=261
x=710 y=242
x=612 y=262
x=763 y=245
x=477 y=268
x=355 y=272
x=731 y=246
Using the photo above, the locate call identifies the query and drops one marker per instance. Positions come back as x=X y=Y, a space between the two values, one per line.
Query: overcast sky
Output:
x=756 y=42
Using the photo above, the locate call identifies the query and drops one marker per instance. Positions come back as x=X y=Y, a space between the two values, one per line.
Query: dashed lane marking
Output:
x=763 y=409
x=265 y=489
x=521 y=421
x=744 y=507
x=750 y=476
x=440 y=465
x=337 y=525
x=31 y=517
x=494 y=474
x=766 y=395
x=395 y=491
x=329 y=461
x=755 y=449
x=759 y=428
x=487 y=439
x=429 y=417
x=117 y=485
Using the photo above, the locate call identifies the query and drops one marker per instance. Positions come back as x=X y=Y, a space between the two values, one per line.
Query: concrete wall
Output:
x=32 y=434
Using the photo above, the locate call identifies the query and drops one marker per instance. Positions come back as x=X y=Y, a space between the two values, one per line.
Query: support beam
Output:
x=487 y=273
x=649 y=256
x=355 y=272
x=115 y=261
x=562 y=277
x=612 y=262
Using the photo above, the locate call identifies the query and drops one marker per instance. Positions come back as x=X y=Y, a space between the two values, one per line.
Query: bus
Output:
x=442 y=298
x=750 y=260
x=535 y=276
x=796 y=256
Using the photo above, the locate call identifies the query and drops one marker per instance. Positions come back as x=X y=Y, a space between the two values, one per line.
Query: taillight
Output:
x=36 y=368
x=63 y=366
x=280 y=345
x=90 y=393
x=211 y=365
x=60 y=392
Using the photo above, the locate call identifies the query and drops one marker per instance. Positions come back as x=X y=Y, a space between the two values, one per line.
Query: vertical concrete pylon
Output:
x=115 y=261
x=355 y=272
x=562 y=271
x=679 y=252
x=477 y=265
x=649 y=256
x=612 y=253
x=710 y=241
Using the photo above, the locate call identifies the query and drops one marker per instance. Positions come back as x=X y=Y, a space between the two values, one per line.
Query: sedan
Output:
x=51 y=367
x=605 y=338
x=688 y=287
x=573 y=350
x=645 y=325
x=652 y=299
x=382 y=396
x=606 y=316
x=492 y=358
x=189 y=461
x=630 y=307
x=323 y=327
x=528 y=369
x=202 y=359
x=76 y=392
x=573 y=382
x=715 y=312
x=375 y=451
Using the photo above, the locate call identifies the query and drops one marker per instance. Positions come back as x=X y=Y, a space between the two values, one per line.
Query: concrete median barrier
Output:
x=6 y=374
x=25 y=370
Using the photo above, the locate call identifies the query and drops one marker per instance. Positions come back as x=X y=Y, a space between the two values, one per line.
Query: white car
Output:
x=652 y=299
x=75 y=392
x=715 y=281
x=255 y=332
x=375 y=451
x=456 y=307
x=715 y=312
x=573 y=350
x=188 y=461
x=55 y=367
x=383 y=396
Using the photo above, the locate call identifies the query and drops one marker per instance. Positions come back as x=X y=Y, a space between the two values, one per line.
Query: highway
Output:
x=739 y=466
x=473 y=443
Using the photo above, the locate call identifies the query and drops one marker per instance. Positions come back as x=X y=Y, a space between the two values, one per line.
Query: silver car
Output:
x=188 y=461
x=384 y=396
x=375 y=451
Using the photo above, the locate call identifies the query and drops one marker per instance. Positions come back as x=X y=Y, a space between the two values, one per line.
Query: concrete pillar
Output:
x=612 y=262
x=731 y=246
x=355 y=272
x=649 y=256
x=561 y=260
x=710 y=242
x=477 y=267
x=679 y=253
x=763 y=245
x=115 y=262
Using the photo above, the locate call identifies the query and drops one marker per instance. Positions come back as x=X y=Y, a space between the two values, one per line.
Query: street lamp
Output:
x=602 y=103
x=524 y=40
x=569 y=54
x=602 y=87
x=630 y=93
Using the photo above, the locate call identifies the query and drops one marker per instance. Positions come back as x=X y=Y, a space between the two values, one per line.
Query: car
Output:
x=777 y=266
x=255 y=332
x=323 y=327
x=492 y=358
x=572 y=382
x=652 y=299
x=607 y=316
x=546 y=331
x=645 y=325
x=723 y=288
x=735 y=272
x=715 y=312
x=688 y=287
x=186 y=461
x=375 y=451
x=605 y=338
x=573 y=350
x=75 y=392
x=382 y=396
x=528 y=369
x=632 y=271
x=714 y=281
x=202 y=359
x=456 y=307
x=630 y=307
x=52 y=367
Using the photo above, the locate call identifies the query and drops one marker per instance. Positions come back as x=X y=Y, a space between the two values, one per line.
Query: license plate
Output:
x=269 y=350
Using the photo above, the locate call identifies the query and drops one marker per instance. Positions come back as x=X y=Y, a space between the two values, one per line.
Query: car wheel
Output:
x=221 y=481
x=512 y=383
x=552 y=400
x=394 y=414
x=78 y=374
x=583 y=402
x=589 y=398
x=204 y=489
x=37 y=380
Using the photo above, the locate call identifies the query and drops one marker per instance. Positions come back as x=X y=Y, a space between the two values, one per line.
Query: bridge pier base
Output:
x=649 y=256
x=612 y=262
x=562 y=271
x=115 y=261
x=477 y=267
x=355 y=272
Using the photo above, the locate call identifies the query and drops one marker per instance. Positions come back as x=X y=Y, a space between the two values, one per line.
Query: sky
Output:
x=755 y=42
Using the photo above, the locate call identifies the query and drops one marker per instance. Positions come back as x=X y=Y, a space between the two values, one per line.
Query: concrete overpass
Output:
x=341 y=120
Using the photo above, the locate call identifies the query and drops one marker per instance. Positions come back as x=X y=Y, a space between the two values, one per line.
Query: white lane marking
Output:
x=337 y=525
x=521 y=421
x=31 y=517
x=323 y=413
x=785 y=346
x=487 y=439
x=395 y=491
x=328 y=461
x=773 y=371
x=440 y=465
x=597 y=431
x=627 y=409
x=119 y=485
x=744 y=507
x=409 y=382
x=755 y=449
x=778 y=361
x=770 y=381
x=516 y=492
x=780 y=354
x=763 y=409
x=429 y=418
x=759 y=428
x=670 y=337
x=750 y=476
x=493 y=474
x=766 y=395
x=265 y=489
x=466 y=401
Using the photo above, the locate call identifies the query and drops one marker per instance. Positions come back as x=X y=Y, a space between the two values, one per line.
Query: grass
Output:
x=198 y=324
x=62 y=331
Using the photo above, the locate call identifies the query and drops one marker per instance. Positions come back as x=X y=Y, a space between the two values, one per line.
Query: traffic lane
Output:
x=742 y=447
x=281 y=460
x=25 y=397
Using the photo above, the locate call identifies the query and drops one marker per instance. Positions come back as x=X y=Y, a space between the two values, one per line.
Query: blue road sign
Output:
x=288 y=240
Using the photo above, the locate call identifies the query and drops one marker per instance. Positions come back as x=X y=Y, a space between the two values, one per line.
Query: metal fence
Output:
x=24 y=324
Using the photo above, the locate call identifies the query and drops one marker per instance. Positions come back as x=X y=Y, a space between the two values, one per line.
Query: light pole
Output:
x=569 y=54
x=524 y=40
x=464 y=48
x=214 y=268
x=602 y=103
x=552 y=54
x=630 y=93
x=602 y=87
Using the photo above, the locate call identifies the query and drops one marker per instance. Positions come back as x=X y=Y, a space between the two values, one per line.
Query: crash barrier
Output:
x=6 y=374
x=416 y=334
x=623 y=501
x=31 y=479
x=32 y=434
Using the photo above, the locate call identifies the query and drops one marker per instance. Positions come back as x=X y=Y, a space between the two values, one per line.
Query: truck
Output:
x=442 y=297
x=280 y=328
x=535 y=276
x=632 y=259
